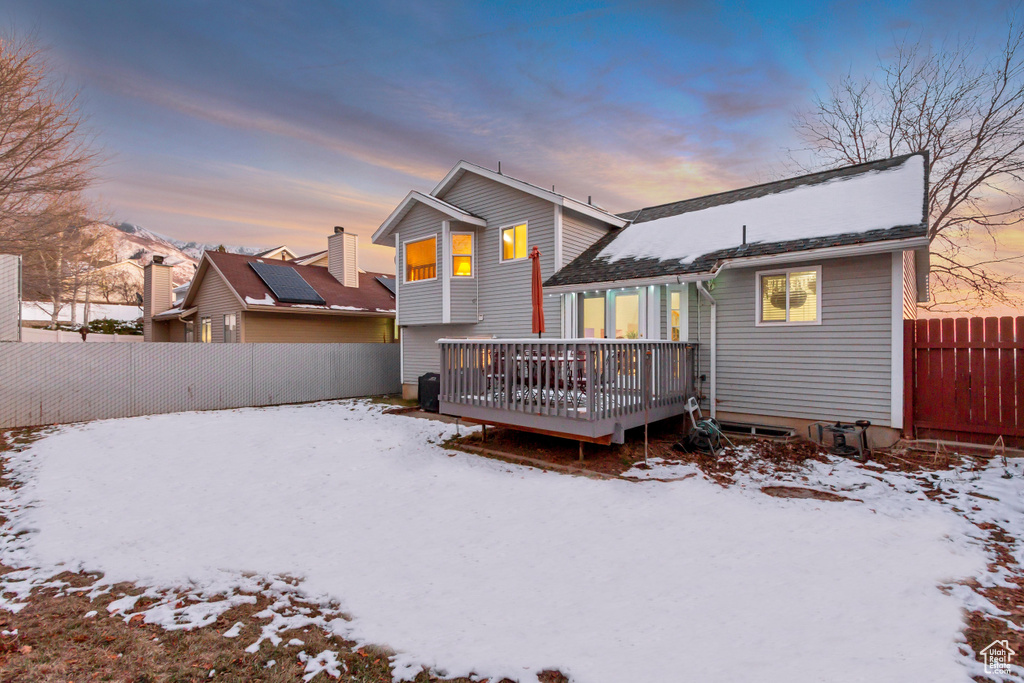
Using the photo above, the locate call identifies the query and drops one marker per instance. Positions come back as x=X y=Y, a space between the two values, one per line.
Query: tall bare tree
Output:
x=44 y=148
x=967 y=110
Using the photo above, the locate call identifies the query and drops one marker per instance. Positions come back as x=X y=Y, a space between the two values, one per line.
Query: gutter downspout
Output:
x=714 y=344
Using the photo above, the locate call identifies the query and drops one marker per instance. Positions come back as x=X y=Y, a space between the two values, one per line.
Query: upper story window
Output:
x=462 y=254
x=421 y=260
x=513 y=242
x=206 y=330
x=791 y=296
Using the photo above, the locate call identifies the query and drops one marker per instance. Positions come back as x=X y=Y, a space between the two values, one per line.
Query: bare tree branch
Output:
x=968 y=113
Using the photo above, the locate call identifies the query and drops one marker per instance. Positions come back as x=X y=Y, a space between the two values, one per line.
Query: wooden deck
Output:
x=586 y=389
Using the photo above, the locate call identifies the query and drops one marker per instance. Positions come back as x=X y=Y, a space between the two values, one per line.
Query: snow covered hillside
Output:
x=473 y=566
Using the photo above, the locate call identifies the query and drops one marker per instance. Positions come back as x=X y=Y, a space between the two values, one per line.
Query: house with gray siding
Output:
x=781 y=303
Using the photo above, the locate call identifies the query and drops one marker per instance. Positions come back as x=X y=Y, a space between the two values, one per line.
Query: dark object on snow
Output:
x=430 y=391
x=848 y=440
x=84 y=331
x=705 y=435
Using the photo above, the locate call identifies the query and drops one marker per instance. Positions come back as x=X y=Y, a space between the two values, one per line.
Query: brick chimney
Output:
x=157 y=296
x=343 y=257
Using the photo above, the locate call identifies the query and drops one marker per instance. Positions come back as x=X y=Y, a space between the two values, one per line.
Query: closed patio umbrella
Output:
x=537 y=293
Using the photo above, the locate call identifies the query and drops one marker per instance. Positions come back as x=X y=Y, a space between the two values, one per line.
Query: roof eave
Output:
x=553 y=197
x=256 y=308
x=864 y=249
x=429 y=200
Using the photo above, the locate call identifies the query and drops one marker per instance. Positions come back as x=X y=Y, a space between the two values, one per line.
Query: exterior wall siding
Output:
x=10 y=298
x=422 y=354
x=420 y=301
x=838 y=370
x=500 y=293
x=215 y=299
x=578 y=233
x=52 y=383
x=504 y=298
x=298 y=328
x=158 y=296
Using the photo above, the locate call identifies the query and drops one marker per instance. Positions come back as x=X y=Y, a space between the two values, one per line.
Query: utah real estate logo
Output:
x=997 y=657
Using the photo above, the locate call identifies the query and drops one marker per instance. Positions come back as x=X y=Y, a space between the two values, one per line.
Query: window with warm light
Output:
x=513 y=242
x=627 y=315
x=676 y=317
x=462 y=254
x=789 y=296
x=421 y=260
x=206 y=330
x=591 y=319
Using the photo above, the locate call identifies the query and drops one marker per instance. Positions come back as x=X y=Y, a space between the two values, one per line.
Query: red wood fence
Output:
x=964 y=379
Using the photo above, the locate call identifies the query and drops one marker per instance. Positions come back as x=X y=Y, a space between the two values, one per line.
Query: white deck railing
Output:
x=576 y=379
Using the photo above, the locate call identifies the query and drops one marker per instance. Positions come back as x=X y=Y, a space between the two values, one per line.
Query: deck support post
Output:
x=581 y=451
x=483 y=433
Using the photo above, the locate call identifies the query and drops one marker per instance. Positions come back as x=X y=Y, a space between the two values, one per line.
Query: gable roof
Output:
x=276 y=253
x=414 y=198
x=369 y=297
x=864 y=204
x=584 y=208
x=309 y=259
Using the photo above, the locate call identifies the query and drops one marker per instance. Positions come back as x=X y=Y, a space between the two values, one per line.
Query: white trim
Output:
x=560 y=200
x=896 y=400
x=750 y=262
x=401 y=356
x=398 y=281
x=758 y=322
x=405 y=271
x=558 y=238
x=472 y=255
x=713 y=399
x=501 y=245
x=444 y=207
x=652 y=325
x=684 y=311
x=446 y=279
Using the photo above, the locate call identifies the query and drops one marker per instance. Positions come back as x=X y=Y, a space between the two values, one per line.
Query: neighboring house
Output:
x=793 y=293
x=318 y=258
x=281 y=253
x=241 y=298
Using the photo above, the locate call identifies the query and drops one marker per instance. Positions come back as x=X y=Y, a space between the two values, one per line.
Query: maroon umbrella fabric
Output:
x=537 y=293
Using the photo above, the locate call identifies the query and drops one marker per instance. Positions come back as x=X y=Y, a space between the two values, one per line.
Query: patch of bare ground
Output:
x=52 y=640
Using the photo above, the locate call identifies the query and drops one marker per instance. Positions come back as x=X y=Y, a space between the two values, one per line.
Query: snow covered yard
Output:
x=470 y=566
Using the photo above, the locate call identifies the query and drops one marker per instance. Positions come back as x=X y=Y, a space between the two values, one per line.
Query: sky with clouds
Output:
x=266 y=123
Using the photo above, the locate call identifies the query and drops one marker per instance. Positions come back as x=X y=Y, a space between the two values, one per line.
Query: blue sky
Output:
x=269 y=123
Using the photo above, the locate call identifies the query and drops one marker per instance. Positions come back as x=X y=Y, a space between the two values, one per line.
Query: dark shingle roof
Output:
x=589 y=268
x=371 y=295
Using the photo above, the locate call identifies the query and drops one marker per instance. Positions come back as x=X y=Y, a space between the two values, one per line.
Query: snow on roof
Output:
x=265 y=301
x=874 y=200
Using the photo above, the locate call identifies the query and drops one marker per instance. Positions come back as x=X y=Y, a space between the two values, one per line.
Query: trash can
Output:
x=430 y=390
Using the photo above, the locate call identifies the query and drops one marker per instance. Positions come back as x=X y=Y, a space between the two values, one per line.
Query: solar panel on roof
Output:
x=287 y=284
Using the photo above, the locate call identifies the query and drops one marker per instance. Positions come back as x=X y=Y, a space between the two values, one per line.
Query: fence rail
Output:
x=52 y=383
x=964 y=378
x=33 y=334
x=566 y=381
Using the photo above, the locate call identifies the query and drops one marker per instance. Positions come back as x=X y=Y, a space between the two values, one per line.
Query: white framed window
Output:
x=462 y=254
x=513 y=242
x=678 y=312
x=206 y=329
x=229 y=327
x=420 y=259
x=790 y=296
x=592 y=315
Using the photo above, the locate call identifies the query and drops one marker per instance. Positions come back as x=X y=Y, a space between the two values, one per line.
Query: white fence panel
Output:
x=32 y=334
x=10 y=297
x=51 y=383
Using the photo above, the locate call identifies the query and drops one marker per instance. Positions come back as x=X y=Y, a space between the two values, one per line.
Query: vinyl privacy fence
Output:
x=51 y=383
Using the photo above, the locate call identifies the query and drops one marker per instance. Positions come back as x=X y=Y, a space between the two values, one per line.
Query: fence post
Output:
x=909 y=326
